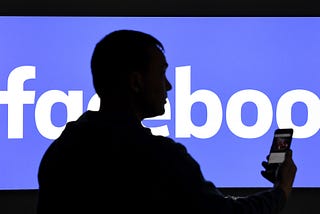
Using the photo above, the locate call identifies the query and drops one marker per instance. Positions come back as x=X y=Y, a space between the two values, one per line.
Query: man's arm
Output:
x=285 y=176
x=206 y=198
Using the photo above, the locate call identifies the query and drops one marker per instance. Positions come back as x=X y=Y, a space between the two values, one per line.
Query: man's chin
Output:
x=155 y=113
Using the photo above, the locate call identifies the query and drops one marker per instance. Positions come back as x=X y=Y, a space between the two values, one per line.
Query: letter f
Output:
x=16 y=97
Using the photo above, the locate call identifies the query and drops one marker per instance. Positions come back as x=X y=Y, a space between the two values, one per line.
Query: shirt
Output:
x=107 y=163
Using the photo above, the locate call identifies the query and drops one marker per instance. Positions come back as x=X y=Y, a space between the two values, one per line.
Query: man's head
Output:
x=131 y=64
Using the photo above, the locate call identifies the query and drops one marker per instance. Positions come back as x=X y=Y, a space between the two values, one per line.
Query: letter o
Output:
x=284 y=112
x=233 y=113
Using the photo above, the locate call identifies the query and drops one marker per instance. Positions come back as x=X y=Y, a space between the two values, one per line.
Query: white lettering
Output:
x=15 y=97
x=233 y=113
x=94 y=103
x=184 y=102
x=73 y=101
x=161 y=130
x=284 y=112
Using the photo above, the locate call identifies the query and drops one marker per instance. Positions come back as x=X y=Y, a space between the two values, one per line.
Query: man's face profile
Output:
x=155 y=84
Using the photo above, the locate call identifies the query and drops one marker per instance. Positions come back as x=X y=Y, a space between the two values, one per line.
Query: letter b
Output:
x=184 y=102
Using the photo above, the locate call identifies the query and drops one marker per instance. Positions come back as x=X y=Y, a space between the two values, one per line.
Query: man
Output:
x=106 y=161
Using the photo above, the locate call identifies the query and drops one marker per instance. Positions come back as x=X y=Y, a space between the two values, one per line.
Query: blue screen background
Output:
x=226 y=54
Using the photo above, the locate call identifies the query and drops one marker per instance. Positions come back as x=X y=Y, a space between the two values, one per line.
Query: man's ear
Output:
x=136 y=82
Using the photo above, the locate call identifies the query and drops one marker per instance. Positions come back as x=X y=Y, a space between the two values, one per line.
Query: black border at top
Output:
x=159 y=8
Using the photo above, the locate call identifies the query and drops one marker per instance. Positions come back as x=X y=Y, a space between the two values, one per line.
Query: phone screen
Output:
x=281 y=143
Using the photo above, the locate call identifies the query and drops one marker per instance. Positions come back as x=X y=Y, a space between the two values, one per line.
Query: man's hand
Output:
x=285 y=174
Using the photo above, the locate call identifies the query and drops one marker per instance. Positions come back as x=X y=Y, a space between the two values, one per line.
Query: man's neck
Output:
x=120 y=109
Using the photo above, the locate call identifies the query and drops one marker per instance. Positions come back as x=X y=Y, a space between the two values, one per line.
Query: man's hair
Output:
x=118 y=54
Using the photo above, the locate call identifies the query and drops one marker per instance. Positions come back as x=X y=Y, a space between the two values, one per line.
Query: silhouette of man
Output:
x=108 y=162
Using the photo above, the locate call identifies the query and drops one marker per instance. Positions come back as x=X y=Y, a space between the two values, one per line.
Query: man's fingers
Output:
x=264 y=164
x=289 y=153
x=268 y=175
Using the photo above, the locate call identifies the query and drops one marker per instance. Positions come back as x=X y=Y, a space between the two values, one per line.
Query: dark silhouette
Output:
x=107 y=162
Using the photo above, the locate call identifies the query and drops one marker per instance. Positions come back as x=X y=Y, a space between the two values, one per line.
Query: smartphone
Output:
x=281 y=143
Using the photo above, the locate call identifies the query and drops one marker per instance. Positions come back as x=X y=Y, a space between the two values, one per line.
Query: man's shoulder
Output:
x=168 y=143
